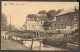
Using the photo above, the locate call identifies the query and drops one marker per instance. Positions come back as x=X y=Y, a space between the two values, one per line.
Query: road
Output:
x=10 y=45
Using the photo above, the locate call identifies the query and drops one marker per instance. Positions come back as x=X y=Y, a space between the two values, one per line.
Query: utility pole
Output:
x=10 y=28
x=26 y=24
x=10 y=23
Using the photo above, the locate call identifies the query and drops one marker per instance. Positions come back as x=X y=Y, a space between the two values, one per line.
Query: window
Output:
x=37 y=19
x=75 y=26
x=28 y=18
x=33 y=18
x=75 y=22
x=32 y=25
x=61 y=26
x=75 y=14
x=55 y=24
x=58 y=26
x=41 y=22
x=75 y=17
x=66 y=19
x=58 y=19
x=65 y=25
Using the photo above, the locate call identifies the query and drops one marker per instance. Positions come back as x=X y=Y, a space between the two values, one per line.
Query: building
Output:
x=35 y=22
x=67 y=20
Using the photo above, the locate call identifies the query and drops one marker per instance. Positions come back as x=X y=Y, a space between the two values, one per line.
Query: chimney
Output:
x=75 y=9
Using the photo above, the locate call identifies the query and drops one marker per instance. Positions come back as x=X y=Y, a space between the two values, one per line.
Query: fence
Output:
x=26 y=42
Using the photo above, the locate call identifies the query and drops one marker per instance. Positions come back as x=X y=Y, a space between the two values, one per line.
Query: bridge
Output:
x=34 y=39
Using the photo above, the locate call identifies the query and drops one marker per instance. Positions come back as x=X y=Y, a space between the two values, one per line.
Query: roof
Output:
x=67 y=11
x=41 y=17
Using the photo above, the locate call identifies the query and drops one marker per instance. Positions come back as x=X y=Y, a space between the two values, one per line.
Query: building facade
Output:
x=35 y=23
x=68 y=20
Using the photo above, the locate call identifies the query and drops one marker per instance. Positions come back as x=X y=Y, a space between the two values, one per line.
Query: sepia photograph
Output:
x=41 y=26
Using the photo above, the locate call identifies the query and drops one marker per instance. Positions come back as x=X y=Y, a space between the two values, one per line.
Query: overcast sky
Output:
x=19 y=10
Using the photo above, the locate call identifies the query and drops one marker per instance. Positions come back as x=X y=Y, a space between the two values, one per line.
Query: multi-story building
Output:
x=67 y=20
x=36 y=21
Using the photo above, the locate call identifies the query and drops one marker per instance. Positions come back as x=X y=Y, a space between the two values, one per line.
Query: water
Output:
x=36 y=44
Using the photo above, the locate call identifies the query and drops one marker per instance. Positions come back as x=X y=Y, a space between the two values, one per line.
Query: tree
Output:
x=32 y=15
x=46 y=24
x=59 y=11
x=3 y=22
x=52 y=13
x=42 y=12
x=24 y=26
x=12 y=27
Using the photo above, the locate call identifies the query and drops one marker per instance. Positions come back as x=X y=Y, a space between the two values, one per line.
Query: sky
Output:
x=20 y=9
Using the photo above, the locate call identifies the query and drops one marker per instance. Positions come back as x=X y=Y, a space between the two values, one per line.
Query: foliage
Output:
x=12 y=27
x=77 y=30
x=32 y=16
x=52 y=13
x=3 y=22
x=24 y=25
x=46 y=24
x=42 y=12
x=55 y=42
x=59 y=11
x=62 y=41
x=74 y=35
x=21 y=32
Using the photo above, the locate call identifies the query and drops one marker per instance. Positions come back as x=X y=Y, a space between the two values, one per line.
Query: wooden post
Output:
x=16 y=38
x=40 y=46
x=32 y=43
x=37 y=34
x=21 y=40
x=5 y=36
x=25 y=41
x=21 y=37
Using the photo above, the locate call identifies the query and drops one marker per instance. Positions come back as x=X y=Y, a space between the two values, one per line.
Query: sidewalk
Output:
x=10 y=45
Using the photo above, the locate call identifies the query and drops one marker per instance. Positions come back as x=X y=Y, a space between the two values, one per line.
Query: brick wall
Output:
x=66 y=20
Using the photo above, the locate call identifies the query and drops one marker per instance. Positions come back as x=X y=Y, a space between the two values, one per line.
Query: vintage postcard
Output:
x=37 y=25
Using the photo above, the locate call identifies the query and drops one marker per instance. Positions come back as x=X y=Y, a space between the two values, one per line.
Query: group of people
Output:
x=5 y=35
